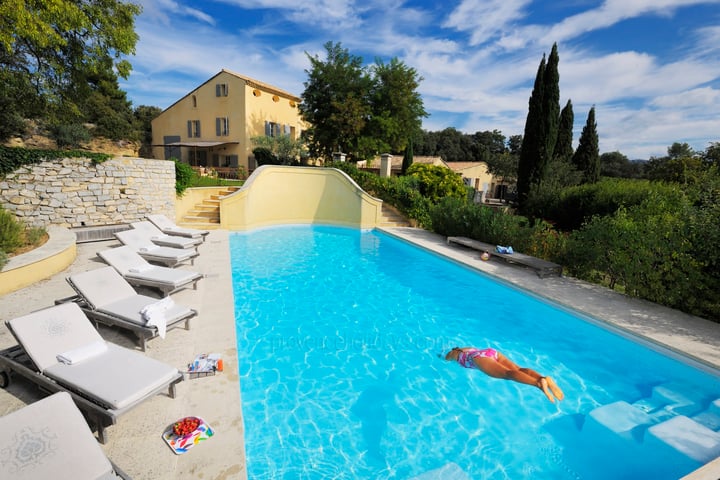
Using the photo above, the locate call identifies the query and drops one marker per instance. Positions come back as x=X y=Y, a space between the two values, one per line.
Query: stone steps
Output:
x=206 y=214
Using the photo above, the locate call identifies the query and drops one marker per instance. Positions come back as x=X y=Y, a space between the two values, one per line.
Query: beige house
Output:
x=212 y=125
x=474 y=174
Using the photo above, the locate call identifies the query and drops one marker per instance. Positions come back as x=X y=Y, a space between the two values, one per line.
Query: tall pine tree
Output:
x=587 y=155
x=541 y=126
x=563 y=146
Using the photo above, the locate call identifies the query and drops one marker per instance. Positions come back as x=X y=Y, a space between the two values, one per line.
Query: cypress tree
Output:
x=541 y=126
x=587 y=155
x=408 y=157
x=551 y=111
x=532 y=137
x=563 y=146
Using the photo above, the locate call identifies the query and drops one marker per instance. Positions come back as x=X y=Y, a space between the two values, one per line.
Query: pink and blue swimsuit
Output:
x=465 y=357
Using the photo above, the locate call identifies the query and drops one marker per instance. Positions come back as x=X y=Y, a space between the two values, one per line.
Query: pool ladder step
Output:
x=666 y=425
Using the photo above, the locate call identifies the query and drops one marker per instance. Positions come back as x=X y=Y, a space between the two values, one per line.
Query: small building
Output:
x=211 y=127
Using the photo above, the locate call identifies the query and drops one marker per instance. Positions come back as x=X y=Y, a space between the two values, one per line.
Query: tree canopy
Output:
x=360 y=111
x=51 y=52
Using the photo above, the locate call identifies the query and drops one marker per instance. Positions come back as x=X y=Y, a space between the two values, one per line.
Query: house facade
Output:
x=211 y=127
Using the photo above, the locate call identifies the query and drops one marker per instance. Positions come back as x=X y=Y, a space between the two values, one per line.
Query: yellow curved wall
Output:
x=276 y=195
x=55 y=256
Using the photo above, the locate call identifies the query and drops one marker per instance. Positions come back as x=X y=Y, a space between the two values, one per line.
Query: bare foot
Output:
x=554 y=388
x=543 y=385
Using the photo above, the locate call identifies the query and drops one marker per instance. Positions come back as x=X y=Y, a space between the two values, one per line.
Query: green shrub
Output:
x=435 y=182
x=70 y=135
x=11 y=232
x=401 y=192
x=569 y=208
x=3 y=259
x=12 y=158
x=184 y=177
x=455 y=217
x=265 y=156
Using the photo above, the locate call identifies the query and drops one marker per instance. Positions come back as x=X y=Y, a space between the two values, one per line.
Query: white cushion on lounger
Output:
x=167 y=225
x=102 y=286
x=45 y=333
x=134 y=376
x=130 y=309
x=50 y=439
x=164 y=275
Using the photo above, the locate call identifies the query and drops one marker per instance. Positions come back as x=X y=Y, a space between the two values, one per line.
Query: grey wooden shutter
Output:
x=268 y=131
x=218 y=127
x=190 y=132
x=217 y=89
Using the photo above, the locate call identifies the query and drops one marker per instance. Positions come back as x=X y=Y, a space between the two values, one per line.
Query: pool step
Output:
x=449 y=471
x=665 y=434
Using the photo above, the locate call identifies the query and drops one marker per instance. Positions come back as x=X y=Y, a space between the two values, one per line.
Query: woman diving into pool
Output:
x=495 y=364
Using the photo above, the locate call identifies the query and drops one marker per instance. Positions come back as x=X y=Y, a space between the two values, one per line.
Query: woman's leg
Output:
x=495 y=369
x=550 y=383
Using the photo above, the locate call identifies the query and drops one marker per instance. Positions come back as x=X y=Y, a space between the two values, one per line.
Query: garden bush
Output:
x=11 y=232
x=569 y=208
x=184 y=177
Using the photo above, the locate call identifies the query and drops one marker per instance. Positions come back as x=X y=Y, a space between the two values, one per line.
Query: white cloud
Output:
x=485 y=19
x=161 y=9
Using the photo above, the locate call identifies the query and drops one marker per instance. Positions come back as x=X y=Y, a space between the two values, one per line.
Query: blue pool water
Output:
x=338 y=336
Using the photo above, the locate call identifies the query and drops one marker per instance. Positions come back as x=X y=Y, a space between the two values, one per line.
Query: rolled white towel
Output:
x=83 y=352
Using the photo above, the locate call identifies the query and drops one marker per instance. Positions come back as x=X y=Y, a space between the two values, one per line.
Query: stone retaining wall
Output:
x=76 y=192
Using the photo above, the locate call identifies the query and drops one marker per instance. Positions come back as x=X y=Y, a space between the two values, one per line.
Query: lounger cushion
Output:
x=169 y=227
x=46 y=333
x=164 y=276
x=129 y=309
x=144 y=246
x=101 y=286
x=158 y=237
x=134 y=376
x=50 y=439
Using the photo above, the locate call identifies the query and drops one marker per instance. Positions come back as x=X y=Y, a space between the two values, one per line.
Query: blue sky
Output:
x=651 y=68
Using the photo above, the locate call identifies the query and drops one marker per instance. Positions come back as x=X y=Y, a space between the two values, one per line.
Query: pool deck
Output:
x=135 y=443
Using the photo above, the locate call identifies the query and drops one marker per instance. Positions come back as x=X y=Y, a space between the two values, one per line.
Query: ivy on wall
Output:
x=12 y=158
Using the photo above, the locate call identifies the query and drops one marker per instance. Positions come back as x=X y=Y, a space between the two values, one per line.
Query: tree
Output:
x=533 y=138
x=47 y=48
x=541 y=127
x=488 y=144
x=408 y=157
x=359 y=110
x=397 y=107
x=587 y=155
x=563 y=146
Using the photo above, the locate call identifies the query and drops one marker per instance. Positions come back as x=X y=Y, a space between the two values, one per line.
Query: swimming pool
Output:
x=338 y=336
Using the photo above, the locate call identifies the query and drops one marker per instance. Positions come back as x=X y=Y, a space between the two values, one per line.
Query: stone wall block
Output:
x=73 y=192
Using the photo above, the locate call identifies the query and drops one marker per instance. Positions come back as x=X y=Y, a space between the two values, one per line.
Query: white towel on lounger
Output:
x=155 y=314
x=83 y=352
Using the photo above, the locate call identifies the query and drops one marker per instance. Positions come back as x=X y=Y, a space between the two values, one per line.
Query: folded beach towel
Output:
x=154 y=314
x=77 y=355
x=501 y=249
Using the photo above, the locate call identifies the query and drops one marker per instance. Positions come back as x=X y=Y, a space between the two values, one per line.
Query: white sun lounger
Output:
x=168 y=256
x=106 y=297
x=105 y=381
x=138 y=272
x=168 y=227
x=50 y=439
x=159 y=238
